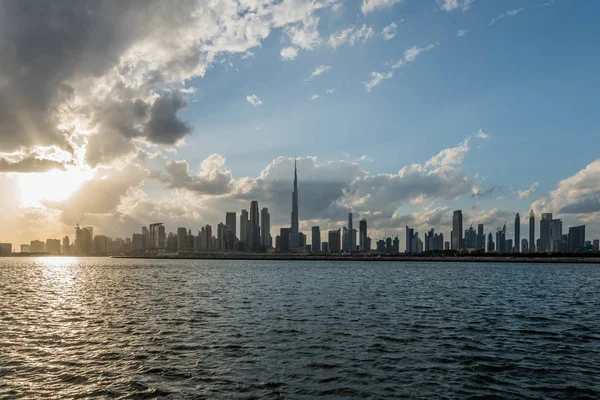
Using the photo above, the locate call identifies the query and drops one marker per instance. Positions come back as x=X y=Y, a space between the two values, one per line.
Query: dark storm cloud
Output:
x=164 y=126
x=585 y=206
x=45 y=45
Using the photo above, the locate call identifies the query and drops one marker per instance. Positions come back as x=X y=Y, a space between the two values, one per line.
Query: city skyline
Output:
x=254 y=236
x=401 y=112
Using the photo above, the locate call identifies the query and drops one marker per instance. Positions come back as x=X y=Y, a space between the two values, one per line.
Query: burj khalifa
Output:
x=294 y=239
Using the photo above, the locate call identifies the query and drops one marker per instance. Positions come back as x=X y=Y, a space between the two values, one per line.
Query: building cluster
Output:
x=551 y=239
x=254 y=235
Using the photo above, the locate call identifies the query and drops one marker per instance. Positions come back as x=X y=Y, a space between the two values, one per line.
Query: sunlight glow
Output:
x=53 y=185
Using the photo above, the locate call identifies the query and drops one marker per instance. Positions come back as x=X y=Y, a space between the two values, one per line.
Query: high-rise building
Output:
x=265 y=229
x=362 y=235
x=37 y=246
x=207 y=237
x=524 y=245
x=470 y=239
x=556 y=235
x=243 y=229
x=254 y=214
x=26 y=248
x=501 y=243
x=53 y=246
x=351 y=245
x=5 y=248
x=145 y=238
x=231 y=221
x=335 y=241
x=576 y=238
x=316 y=238
x=136 y=242
x=66 y=245
x=284 y=240
x=409 y=240
x=181 y=240
x=545 y=242
x=490 y=243
x=158 y=237
x=457 y=229
x=84 y=240
x=301 y=241
x=480 y=237
x=100 y=244
x=294 y=227
x=517 y=248
x=396 y=245
x=325 y=247
x=509 y=245
x=596 y=245
x=532 y=231
x=221 y=236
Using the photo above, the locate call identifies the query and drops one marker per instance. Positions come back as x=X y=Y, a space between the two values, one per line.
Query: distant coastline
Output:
x=522 y=258
x=301 y=257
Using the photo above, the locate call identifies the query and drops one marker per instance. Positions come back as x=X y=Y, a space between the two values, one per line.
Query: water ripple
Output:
x=146 y=329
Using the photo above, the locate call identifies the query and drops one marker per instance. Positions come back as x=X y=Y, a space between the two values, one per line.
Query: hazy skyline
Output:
x=402 y=110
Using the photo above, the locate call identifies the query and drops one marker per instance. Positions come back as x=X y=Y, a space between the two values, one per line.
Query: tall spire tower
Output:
x=294 y=240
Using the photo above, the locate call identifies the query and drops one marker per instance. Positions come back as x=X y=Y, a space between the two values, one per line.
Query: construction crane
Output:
x=80 y=220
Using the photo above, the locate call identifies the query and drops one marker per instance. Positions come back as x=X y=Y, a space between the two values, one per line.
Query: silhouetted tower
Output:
x=517 y=244
x=531 y=232
x=294 y=228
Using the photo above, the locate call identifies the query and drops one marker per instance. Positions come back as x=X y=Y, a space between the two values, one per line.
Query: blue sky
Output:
x=525 y=80
x=199 y=112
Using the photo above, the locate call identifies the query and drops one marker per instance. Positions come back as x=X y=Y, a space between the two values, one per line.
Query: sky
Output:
x=120 y=114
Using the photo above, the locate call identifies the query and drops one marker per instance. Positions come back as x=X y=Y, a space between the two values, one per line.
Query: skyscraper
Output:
x=350 y=246
x=316 y=238
x=181 y=239
x=556 y=236
x=243 y=228
x=576 y=238
x=517 y=242
x=254 y=215
x=362 y=235
x=457 y=229
x=490 y=243
x=231 y=220
x=532 y=232
x=334 y=241
x=294 y=242
x=545 y=222
x=66 y=249
x=409 y=240
x=480 y=237
x=265 y=229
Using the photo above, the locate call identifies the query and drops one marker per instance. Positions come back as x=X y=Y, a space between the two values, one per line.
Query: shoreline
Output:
x=436 y=259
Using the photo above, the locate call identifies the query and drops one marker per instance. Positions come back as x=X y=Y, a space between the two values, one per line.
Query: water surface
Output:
x=78 y=328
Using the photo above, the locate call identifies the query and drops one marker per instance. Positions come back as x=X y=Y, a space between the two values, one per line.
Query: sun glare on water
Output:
x=53 y=185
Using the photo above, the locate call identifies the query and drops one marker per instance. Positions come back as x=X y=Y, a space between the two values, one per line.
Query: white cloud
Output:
x=376 y=79
x=389 y=32
x=411 y=54
x=254 y=100
x=481 y=134
x=289 y=53
x=526 y=193
x=509 y=13
x=454 y=155
x=368 y=6
x=314 y=97
x=451 y=5
x=305 y=35
x=330 y=91
x=320 y=70
x=350 y=35
x=461 y=32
